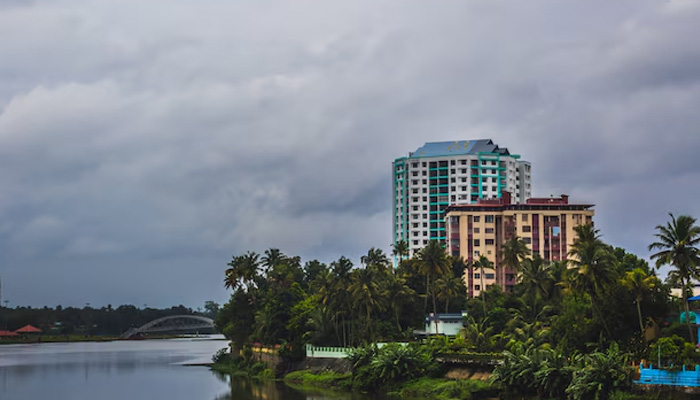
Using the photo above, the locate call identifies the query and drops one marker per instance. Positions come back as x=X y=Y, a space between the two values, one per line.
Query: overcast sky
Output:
x=142 y=144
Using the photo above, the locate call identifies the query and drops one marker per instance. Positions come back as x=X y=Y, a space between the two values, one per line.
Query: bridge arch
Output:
x=171 y=324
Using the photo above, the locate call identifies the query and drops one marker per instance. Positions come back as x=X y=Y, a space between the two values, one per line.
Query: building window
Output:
x=414 y=182
x=527 y=228
x=414 y=165
x=477 y=287
x=453 y=180
x=489 y=276
x=452 y=171
x=489 y=242
x=477 y=276
x=452 y=162
x=476 y=218
x=489 y=219
x=488 y=230
x=476 y=230
x=477 y=243
x=476 y=253
x=527 y=240
x=415 y=243
x=424 y=164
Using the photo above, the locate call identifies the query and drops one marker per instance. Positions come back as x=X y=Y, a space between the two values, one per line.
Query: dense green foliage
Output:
x=277 y=300
x=569 y=329
x=374 y=368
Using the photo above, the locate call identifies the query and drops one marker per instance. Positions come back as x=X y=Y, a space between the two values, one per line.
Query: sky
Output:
x=143 y=144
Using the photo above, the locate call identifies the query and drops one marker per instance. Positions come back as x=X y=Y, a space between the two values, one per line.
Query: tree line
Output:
x=88 y=320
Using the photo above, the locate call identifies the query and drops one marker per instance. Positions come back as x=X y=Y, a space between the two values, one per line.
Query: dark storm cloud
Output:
x=142 y=144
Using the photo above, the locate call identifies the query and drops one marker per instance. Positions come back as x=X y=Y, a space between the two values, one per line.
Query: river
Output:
x=121 y=370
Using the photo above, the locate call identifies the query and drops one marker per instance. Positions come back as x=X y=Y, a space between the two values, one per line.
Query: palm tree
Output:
x=639 y=283
x=513 y=252
x=399 y=294
x=375 y=258
x=535 y=278
x=243 y=269
x=593 y=264
x=482 y=263
x=366 y=293
x=678 y=242
x=447 y=287
x=433 y=264
x=400 y=249
x=338 y=295
x=271 y=258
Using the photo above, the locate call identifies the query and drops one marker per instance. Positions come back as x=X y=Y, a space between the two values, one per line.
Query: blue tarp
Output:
x=694 y=298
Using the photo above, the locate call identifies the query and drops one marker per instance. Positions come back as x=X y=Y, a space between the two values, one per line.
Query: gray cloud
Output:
x=142 y=144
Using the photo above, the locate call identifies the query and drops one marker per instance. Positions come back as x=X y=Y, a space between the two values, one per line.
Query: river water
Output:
x=127 y=370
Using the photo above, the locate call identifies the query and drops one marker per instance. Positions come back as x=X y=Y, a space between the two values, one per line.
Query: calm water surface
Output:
x=147 y=369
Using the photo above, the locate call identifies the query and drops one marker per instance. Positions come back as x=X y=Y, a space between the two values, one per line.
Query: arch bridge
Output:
x=173 y=323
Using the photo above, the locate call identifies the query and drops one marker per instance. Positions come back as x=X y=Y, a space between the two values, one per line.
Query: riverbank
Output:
x=424 y=387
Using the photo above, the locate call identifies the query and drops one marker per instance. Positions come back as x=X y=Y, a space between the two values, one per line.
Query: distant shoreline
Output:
x=77 y=338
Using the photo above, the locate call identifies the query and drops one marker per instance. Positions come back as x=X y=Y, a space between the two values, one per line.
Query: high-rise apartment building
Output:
x=546 y=225
x=440 y=174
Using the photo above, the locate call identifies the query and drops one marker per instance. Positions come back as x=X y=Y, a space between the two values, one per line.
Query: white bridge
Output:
x=173 y=323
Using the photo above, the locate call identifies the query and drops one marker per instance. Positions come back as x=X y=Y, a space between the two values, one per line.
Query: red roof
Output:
x=8 y=333
x=28 y=329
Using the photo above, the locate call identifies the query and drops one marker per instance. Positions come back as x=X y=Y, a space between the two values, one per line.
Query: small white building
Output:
x=447 y=324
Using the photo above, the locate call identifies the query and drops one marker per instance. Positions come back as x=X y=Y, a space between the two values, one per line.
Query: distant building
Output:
x=447 y=324
x=546 y=225
x=439 y=174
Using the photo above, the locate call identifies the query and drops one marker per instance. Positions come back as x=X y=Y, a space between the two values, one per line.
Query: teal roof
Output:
x=458 y=147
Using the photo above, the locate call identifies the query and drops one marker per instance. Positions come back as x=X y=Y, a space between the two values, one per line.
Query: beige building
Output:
x=546 y=225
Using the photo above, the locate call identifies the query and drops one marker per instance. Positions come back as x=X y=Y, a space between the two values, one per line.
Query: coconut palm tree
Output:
x=399 y=294
x=593 y=267
x=448 y=287
x=535 y=278
x=677 y=244
x=242 y=269
x=513 y=252
x=481 y=264
x=271 y=258
x=639 y=283
x=367 y=294
x=433 y=263
x=375 y=258
x=400 y=249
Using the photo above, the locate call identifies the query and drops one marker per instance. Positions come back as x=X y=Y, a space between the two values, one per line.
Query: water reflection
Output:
x=131 y=370
x=246 y=389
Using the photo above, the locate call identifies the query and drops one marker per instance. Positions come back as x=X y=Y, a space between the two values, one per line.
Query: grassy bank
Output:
x=433 y=388
x=319 y=380
x=240 y=366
